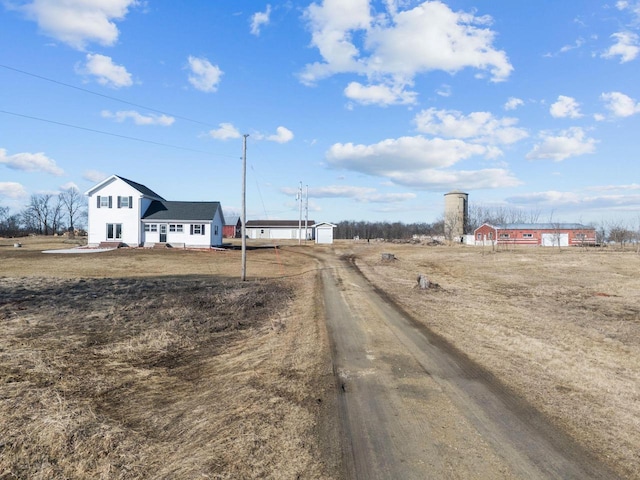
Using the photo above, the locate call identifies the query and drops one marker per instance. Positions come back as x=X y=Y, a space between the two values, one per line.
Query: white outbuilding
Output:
x=324 y=232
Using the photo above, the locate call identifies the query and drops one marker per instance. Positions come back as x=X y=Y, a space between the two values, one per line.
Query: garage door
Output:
x=552 y=239
x=324 y=235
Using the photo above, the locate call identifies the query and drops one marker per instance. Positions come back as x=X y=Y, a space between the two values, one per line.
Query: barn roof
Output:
x=182 y=211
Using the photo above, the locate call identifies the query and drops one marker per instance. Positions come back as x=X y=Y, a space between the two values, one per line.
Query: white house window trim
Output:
x=151 y=227
x=104 y=201
x=198 y=229
x=114 y=231
x=527 y=235
x=125 y=202
x=176 y=228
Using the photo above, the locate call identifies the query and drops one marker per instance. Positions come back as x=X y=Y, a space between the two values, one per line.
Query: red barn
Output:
x=545 y=234
x=232 y=229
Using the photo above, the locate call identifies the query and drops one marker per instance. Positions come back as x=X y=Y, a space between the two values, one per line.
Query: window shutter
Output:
x=130 y=202
x=110 y=203
x=98 y=201
x=119 y=201
x=202 y=229
x=191 y=232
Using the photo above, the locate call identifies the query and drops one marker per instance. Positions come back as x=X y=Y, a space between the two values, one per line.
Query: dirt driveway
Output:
x=412 y=407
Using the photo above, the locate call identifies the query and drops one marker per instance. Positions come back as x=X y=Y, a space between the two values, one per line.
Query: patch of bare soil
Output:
x=561 y=328
x=163 y=377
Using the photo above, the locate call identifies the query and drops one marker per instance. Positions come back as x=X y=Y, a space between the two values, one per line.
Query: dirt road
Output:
x=412 y=407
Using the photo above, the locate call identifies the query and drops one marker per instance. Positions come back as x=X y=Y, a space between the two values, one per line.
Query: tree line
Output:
x=46 y=214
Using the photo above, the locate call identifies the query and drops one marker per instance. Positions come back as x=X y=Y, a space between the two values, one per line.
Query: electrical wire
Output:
x=103 y=95
x=116 y=134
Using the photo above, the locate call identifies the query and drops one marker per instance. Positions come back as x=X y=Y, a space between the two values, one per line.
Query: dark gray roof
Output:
x=182 y=211
x=541 y=226
x=277 y=223
x=141 y=188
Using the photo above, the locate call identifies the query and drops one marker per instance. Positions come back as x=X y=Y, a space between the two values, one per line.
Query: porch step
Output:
x=110 y=245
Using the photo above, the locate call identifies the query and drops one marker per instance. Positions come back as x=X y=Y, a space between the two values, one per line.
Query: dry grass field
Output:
x=559 y=327
x=162 y=364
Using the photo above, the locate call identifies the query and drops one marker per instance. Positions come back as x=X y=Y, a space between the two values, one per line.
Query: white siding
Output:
x=128 y=218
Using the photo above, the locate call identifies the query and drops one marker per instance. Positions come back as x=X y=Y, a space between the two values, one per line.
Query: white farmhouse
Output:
x=123 y=212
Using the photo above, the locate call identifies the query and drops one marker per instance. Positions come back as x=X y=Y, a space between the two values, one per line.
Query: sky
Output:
x=374 y=109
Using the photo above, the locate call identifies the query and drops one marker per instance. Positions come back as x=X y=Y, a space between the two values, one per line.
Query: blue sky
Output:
x=379 y=107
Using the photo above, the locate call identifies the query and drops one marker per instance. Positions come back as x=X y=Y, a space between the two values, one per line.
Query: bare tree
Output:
x=73 y=204
x=43 y=214
x=619 y=233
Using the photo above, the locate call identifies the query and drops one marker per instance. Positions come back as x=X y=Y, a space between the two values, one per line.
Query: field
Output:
x=161 y=364
x=559 y=327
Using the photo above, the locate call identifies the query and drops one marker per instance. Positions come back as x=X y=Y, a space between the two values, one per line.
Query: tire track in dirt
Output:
x=412 y=406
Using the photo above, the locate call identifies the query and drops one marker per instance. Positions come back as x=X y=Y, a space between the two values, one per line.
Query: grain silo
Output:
x=456 y=213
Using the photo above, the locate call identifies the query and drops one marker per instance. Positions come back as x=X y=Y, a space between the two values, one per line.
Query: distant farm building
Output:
x=543 y=234
x=280 y=229
x=324 y=232
x=232 y=228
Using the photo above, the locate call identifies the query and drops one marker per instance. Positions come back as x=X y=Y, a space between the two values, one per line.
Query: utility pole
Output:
x=244 y=208
x=306 y=215
x=300 y=216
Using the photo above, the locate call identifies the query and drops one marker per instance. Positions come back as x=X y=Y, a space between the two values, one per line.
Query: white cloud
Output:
x=68 y=185
x=360 y=194
x=419 y=162
x=397 y=45
x=94 y=176
x=204 y=76
x=12 y=190
x=138 y=118
x=30 y=162
x=259 y=19
x=444 y=90
x=478 y=126
x=282 y=135
x=513 y=103
x=633 y=7
x=226 y=132
x=565 y=107
x=569 y=143
x=78 y=22
x=379 y=94
x=106 y=72
x=620 y=104
x=626 y=47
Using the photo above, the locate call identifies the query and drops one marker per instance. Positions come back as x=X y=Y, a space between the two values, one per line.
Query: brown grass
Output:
x=560 y=327
x=156 y=364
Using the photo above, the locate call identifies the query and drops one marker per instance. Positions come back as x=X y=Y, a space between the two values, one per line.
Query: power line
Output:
x=116 y=134
x=103 y=95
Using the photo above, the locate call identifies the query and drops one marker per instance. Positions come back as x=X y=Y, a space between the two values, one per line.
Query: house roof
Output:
x=277 y=223
x=141 y=188
x=145 y=191
x=182 y=211
x=540 y=226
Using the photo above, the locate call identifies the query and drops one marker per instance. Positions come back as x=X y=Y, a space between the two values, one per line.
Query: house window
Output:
x=114 y=231
x=197 y=229
x=527 y=235
x=581 y=236
x=504 y=235
x=215 y=229
x=490 y=235
x=176 y=227
x=124 y=202
x=150 y=227
x=479 y=236
x=105 y=202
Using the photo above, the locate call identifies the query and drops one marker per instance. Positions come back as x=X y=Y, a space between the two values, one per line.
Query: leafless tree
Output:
x=619 y=233
x=43 y=214
x=73 y=204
